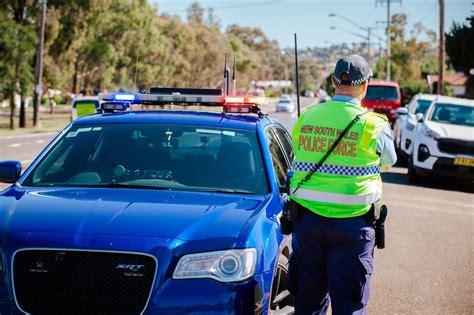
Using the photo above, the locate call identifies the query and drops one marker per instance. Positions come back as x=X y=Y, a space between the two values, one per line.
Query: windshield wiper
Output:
x=227 y=191
x=125 y=185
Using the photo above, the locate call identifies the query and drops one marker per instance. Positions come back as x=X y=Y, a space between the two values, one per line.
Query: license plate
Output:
x=464 y=162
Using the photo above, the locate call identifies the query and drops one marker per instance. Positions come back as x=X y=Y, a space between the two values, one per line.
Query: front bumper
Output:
x=445 y=167
x=197 y=296
x=168 y=296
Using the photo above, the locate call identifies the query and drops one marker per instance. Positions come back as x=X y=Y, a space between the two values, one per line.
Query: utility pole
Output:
x=441 y=48
x=388 y=31
x=388 y=40
x=39 y=64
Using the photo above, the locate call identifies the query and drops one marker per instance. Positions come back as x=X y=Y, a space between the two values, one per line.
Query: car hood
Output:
x=451 y=131
x=133 y=212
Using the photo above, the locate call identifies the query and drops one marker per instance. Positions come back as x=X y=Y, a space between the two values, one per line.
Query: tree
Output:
x=412 y=59
x=459 y=48
x=17 y=50
x=195 y=13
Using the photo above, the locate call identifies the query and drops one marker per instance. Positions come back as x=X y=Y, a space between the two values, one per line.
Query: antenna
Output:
x=297 y=81
x=225 y=74
x=233 y=78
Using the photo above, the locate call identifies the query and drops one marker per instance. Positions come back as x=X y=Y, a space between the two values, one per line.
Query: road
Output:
x=427 y=265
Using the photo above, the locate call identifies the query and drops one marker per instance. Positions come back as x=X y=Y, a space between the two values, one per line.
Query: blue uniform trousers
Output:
x=332 y=262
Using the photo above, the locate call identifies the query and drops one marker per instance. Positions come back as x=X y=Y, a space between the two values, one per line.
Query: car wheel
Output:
x=281 y=301
x=413 y=177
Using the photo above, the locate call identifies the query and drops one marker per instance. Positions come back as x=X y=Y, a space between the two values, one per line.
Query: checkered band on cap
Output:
x=337 y=169
x=354 y=82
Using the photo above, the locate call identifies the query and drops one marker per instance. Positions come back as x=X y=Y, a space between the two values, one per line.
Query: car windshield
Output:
x=379 y=92
x=154 y=156
x=422 y=106
x=453 y=114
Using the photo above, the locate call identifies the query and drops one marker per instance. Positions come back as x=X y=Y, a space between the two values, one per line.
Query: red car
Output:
x=383 y=97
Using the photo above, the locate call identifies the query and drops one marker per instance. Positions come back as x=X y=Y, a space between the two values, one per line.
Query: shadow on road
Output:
x=401 y=178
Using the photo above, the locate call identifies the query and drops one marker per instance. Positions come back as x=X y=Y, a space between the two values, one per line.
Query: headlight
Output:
x=225 y=266
x=430 y=133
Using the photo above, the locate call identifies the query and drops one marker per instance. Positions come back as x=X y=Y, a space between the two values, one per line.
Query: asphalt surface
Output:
x=427 y=266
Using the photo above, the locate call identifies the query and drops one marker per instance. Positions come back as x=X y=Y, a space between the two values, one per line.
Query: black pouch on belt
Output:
x=291 y=213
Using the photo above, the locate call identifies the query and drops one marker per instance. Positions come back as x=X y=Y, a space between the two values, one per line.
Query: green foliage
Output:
x=329 y=87
x=411 y=58
x=308 y=87
x=410 y=88
x=58 y=99
x=127 y=44
x=459 y=48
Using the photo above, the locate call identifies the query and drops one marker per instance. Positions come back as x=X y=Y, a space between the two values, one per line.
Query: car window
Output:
x=280 y=165
x=160 y=156
x=453 y=114
x=285 y=141
x=421 y=106
x=380 y=92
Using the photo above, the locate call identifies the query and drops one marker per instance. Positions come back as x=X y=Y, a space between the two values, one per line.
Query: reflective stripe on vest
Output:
x=342 y=199
x=337 y=169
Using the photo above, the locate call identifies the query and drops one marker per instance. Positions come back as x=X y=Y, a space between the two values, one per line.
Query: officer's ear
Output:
x=365 y=85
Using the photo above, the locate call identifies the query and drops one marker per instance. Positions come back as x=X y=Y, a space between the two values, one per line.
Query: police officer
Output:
x=333 y=245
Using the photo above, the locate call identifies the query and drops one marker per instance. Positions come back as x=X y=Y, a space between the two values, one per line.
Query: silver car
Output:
x=285 y=104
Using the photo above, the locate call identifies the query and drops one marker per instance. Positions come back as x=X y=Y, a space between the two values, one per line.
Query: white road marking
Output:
x=15 y=145
x=26 y=161
x=39 y=141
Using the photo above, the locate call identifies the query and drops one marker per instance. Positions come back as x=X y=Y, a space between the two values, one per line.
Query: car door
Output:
x=280 y=155
x=409 y=126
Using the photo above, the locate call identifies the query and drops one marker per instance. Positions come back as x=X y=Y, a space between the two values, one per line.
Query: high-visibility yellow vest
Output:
x=349 y=180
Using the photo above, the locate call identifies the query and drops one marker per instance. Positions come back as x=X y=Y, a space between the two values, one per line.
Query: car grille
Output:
x=82 y=282
x=455 y=146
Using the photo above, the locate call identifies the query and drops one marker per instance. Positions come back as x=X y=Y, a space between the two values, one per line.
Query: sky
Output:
x=310 y=19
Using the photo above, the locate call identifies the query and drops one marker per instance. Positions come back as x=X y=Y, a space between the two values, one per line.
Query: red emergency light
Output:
x=239 y=104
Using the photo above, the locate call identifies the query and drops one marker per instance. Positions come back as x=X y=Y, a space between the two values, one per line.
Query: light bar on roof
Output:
x=175 y=98
x=179 y=96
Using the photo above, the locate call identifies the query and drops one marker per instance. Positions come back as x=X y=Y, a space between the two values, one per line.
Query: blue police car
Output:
x=150 y=212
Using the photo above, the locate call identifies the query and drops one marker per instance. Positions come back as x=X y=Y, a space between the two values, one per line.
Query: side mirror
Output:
x=402 y=111
x=10 y=171
x=419 y=117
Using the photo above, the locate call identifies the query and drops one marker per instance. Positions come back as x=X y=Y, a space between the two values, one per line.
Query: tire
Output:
x=281 y=301
x=413 y=177
x=401 y=157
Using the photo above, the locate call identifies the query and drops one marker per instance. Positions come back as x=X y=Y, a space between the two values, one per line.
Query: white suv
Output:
x=404 y=126
x=444 y=140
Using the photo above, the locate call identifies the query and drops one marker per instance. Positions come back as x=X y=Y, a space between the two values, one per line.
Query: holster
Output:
x=376 y=218
x=291 y=213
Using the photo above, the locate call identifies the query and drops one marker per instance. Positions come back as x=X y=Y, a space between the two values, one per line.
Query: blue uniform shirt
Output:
x=385 y=147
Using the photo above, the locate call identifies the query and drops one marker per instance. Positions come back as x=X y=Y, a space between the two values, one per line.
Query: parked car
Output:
x=383 y=97
x=443 y=142
x=404 y=126
x=84 y=105
x=285 y=104
x=150 y=212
